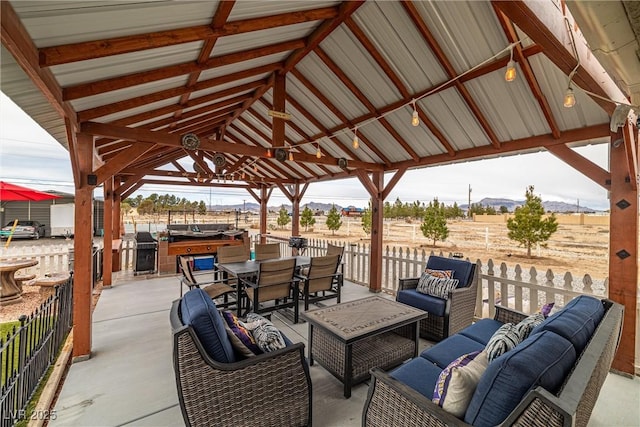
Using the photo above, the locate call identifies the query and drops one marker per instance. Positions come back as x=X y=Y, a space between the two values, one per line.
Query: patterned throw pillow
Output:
x=241 y=339
x=458 y=381
x=547 y=309
x=527 y=324
x=503 y=340
x=267 y=336
x=442 y=274
x=436 y=286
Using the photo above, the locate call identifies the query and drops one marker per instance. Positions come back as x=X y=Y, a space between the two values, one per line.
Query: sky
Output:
x=29 y=156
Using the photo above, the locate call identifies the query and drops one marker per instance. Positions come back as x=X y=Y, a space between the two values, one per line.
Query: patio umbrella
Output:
x=14 y=193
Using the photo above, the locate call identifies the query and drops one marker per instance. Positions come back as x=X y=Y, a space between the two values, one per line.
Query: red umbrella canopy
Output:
x=14 y=193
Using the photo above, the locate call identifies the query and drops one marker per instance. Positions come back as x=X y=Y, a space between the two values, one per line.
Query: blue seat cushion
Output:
x=449 y=349
x=419 y=374
x=482 y=330
x=429 y=303
x=462 y=270
x=200 y=312
x=544 y=359
x=576 y=322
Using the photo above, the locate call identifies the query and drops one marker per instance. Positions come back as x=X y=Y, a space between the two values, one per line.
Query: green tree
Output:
x=434 y=224
x=202 y=208
x=476 y=208
x=283 y=217
x=527 y=226
x=504 y=209
x=366 y=220
x=333 y=220
x=490 y=210
x=306 y=218
x=452 y=212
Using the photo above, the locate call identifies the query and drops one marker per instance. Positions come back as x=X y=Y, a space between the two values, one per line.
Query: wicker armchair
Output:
x=270 y=389
x=458 y=308
x=321 y=281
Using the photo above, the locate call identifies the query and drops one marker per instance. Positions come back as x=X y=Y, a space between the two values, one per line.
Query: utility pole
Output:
x=469 y=204
x=578 y=210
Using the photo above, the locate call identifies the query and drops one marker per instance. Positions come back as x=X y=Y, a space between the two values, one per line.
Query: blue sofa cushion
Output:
x=482 y=330
x=462 y=270
x=576 y=322
x=200 y=312
x=449 y=349
x=419 y=374
x=544 y=359
x=433 y=305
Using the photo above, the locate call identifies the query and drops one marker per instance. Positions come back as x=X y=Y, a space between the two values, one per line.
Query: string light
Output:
x=255 y=168
x=291 y=156
x=243 y=175
x=510 y=74
x=356 y=142
x=318 y=152
x=415 y=120
x=269 y=154
x=569 y=98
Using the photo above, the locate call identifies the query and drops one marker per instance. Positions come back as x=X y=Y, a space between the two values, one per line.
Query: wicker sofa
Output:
x=552 y=378
x=218 y=388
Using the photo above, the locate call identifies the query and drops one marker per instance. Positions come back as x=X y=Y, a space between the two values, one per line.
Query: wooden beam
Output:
x=107 y=227
x=83 y=90
x=630 y=148
x=512 y=36
x=82 y=51
x=377 y=224
x=279 y=105
x=71 y=130
x=519 y=145
x=396 y=178
x=546 y=26
x=18 y=42
x=122 y=160
x=139 y=101
x=82 y=243
x=623 y=253
x=428 y=37
x=581 y=164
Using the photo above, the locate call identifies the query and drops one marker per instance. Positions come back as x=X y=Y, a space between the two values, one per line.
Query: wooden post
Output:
x=377 y=216
x=623 y=249
x=264 y=198
x=118 y=231
x=83 y=243
x=107 y=225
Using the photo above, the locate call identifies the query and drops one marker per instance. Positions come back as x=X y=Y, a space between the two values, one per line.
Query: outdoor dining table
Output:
x=244 y=269
x=10 y=290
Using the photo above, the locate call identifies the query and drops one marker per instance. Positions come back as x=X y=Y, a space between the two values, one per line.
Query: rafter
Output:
x=512 y=36
x=581 y=164
x=121 y=82
x=428 y=37
x=63 y=54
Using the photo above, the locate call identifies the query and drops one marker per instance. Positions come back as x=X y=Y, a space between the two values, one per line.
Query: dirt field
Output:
x=573 y=248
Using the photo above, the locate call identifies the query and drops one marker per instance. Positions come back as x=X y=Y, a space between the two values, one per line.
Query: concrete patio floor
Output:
x=129 y=378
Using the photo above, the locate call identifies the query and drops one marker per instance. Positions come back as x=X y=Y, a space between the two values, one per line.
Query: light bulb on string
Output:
x=255 y=167
x=318 y=152
x=269 y=153
x=510 y=74
x=415 y=120
x=356 y=141
x=569 y=98
x=291 y=156
x=243 y=175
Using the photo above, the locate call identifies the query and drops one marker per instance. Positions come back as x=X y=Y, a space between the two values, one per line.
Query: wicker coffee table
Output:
x=349 y=339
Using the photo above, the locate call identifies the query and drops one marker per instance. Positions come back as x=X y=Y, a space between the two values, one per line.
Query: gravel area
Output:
x=31 y=300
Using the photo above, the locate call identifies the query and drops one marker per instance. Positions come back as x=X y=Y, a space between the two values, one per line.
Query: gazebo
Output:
x=282 y=94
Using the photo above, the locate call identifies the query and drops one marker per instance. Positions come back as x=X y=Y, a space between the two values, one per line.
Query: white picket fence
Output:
x=51 y=258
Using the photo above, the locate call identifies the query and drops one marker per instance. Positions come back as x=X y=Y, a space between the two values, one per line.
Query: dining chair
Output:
x=335 y=250
x=267 y=251
x=214 y=288
x=229 y=254
x=322 y=281
x=276 y=282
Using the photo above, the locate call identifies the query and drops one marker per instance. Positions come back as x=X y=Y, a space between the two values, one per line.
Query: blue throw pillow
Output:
x=199 y=311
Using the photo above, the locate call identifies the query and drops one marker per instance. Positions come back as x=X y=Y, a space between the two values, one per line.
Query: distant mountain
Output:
x=551 y=206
